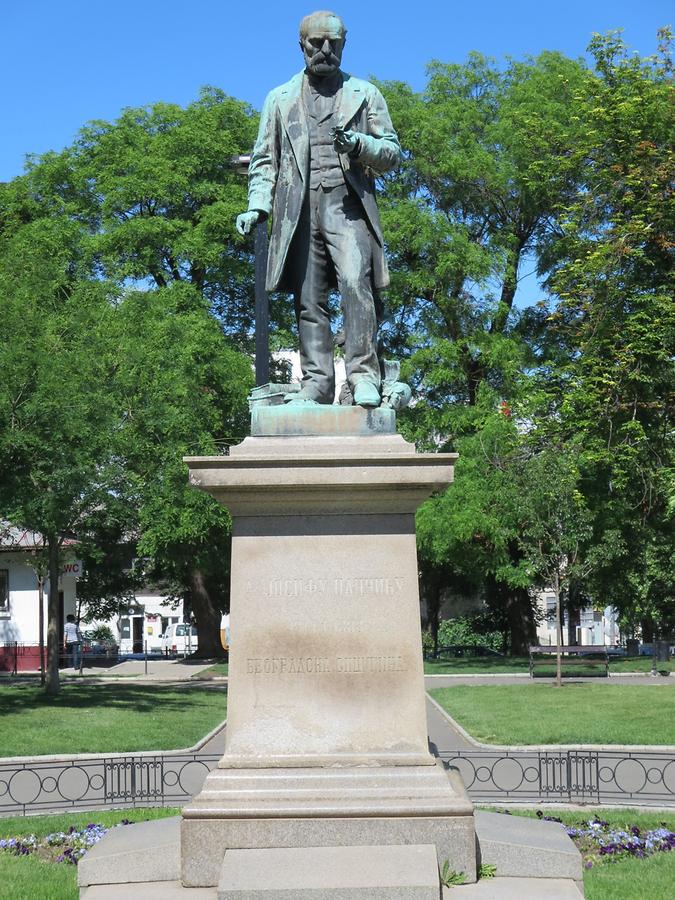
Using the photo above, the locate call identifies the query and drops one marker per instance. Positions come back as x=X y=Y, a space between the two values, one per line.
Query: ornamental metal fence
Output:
x=162 y=779
x=172 y=779
x=567 y=776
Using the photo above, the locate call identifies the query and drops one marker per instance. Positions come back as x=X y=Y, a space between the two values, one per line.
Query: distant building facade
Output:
x=19 y=597
x=589 y=627
x=142 y=623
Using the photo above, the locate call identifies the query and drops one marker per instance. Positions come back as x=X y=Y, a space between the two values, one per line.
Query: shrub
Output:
x=427 y=643
x=103 y=634
x=469 y=631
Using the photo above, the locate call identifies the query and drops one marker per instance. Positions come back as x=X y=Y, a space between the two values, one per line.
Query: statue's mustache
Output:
x=321 y=57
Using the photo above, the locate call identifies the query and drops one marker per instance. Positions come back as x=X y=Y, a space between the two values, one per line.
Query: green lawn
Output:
x=491 y=665
x=216 y=671
x=28 y=878
x=106 y=718
x=633 y=879
x=582 y=713
x=477 y=665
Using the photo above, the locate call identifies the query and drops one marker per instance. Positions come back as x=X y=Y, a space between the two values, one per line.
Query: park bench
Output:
x=572 y=655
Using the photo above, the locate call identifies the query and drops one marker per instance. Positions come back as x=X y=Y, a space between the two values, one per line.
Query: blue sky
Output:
x=67 y=62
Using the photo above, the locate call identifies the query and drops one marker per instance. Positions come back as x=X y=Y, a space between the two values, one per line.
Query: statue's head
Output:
x=322 y=38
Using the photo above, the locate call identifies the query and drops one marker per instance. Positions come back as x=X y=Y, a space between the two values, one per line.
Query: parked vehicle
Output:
x=179 y=638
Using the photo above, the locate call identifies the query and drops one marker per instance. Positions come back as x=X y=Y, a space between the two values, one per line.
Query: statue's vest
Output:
x=324 y=163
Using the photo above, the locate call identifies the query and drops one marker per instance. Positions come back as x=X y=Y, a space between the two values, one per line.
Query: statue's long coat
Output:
x=279 y=168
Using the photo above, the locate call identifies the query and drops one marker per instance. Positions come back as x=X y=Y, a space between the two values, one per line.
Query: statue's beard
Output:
x=323 y=65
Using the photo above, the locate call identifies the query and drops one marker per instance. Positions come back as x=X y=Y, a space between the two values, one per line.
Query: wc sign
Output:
x=74 y=568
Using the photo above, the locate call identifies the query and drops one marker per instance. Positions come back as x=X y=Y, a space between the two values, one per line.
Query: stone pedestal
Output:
x=326 y=737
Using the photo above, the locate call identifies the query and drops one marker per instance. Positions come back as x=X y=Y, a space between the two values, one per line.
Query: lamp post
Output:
x=240 y=165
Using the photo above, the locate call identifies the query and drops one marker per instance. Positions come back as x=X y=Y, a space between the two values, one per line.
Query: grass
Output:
x=477 y=665
x=106 y=718
x=627 y=879
x=219 y=670
x=28 y=878
x=492 y=665
x=632 y=879
x=586 y=713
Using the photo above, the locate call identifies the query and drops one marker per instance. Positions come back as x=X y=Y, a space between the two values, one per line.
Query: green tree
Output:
x=611 y=379
x=182 y=392
x=58 y=475
x=487 y=165
x=555 y=527
x=154 y=199
x=159 y=198
x=468 y=536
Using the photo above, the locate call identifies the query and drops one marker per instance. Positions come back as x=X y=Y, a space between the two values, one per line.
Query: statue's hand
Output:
x=246 y=221
x=345 y=141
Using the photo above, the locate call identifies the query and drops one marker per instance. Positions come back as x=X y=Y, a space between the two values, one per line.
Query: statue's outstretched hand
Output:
x=345 y=141
x=246 y=221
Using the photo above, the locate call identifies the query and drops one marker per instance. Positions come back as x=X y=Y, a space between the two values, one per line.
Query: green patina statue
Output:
x=322 y=137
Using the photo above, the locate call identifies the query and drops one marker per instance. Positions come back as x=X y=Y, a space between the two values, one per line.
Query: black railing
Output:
x=569 y=776
x=111 y=781
x=171 y=779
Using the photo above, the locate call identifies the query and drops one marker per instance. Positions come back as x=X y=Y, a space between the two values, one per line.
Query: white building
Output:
x=144 y=623
x=594 y=627
x=21 y=552
x=20 y=555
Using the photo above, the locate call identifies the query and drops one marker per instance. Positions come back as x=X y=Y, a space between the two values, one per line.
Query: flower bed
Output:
x=599 y=842
x=60 y=846
x=596 y=839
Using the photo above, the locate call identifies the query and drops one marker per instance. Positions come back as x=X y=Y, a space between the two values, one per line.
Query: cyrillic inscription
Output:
x=316 y=665
x=356 y=665
x=333 y=587
x=292 y=665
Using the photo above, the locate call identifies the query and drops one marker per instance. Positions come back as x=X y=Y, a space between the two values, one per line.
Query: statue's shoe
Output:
x=366 y=394
x=299 y=399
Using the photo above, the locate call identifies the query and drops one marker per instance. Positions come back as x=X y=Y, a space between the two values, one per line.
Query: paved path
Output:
x=158 y=669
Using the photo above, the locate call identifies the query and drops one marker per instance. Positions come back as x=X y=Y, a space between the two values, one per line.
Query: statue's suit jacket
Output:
x=279 y=167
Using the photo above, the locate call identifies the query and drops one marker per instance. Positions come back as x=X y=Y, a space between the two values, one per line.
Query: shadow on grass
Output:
x=478 y=664
x=20 y=698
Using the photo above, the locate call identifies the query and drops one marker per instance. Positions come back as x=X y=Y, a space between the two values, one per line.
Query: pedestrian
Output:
x=72 y=640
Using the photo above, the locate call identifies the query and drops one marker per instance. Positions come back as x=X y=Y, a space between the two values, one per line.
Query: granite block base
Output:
x=338 y=807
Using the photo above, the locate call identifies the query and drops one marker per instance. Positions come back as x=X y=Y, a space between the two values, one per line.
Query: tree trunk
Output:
x=558 y=631
x=54 y=637
x=513 y=613
x=207 y=617
x=647 y=628
x=41 y=625
x=509 y=287
x=432 y=595
x=521 y=627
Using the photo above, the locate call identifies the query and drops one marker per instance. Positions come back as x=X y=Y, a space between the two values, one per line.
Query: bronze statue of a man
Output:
x=322 y=137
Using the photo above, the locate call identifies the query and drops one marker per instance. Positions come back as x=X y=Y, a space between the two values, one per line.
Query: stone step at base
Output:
x=515 y=889
x=485 y=889
x=331 y=873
